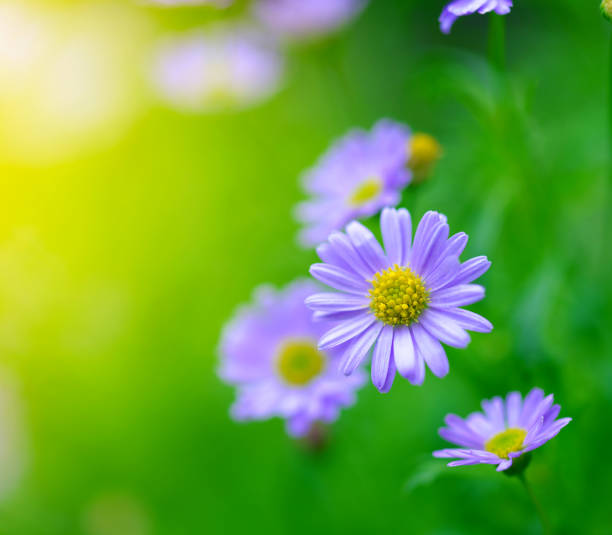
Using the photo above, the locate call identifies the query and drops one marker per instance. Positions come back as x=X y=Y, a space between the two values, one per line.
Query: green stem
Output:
x=536 y=504
x=497 y=41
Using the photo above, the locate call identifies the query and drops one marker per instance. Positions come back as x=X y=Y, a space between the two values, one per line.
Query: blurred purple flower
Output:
x=504 y=432
x=403 y=302
x=217 y=70
x=459 y=8
x=359 y=174
x=306 y=18
x=269 y=351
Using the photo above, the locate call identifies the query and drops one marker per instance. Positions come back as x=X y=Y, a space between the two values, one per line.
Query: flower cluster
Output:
x=218 y=69
x=299 y=353
x=239 y=66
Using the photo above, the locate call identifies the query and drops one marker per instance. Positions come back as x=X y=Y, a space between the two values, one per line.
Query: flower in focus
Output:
x=360 y=174
x=303 y=19
x=459 y=8
x=504 y=432
x=402 y=301
x=269 y=351
x=425 y=151
x=217 y=70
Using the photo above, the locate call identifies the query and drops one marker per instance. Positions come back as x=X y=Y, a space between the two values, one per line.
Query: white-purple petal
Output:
x=392 y=235
x=359 y=348
x=367 y=246
x=346 y=331
x=457 y=296
x=404 y=352
x=336 y=302
x=468 y=320
x=444 y=329
x=338 y=278
x=431 y=351
x=381 y=357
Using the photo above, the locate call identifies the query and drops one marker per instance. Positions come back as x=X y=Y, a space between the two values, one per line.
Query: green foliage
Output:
x=135 y=256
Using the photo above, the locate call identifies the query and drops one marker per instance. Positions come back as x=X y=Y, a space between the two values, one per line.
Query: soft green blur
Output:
x=124 y=248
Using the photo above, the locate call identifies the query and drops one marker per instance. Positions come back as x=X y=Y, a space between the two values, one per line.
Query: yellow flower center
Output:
x=366 y=191
x=299 y=362
x=425 y=151
x=506 y=442
x=398 y=296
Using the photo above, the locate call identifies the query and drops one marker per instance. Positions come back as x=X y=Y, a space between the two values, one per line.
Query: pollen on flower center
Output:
x=299 y=362
x=398 y=296
x=366 y=191
x=506 y=442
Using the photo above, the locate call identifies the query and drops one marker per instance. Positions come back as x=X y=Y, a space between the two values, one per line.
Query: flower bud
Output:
x=606 y=9
x=424 y=151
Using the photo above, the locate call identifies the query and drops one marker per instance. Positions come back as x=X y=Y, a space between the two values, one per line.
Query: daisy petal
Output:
x=457 y=296
x=504 y=465
x=514 y=404
x=345 y=331
x=336 y=302
x=359 y=348
x=367 y=246
x=382 y=356
x=444 y=329
x=338 y=278
x=469 y=320
x=403 y=351
x=431 y=350
x=344 y=247
x=472 y=269
x=392 y=235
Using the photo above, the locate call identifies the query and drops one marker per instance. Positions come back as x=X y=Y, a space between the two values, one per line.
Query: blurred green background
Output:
x=124 y=248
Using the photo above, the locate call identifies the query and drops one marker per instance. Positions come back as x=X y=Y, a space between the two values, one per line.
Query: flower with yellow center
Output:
x=269 y=353
x=299 y=362
x=359 y=175
x=504 y=432
x=424 y=152
x=400 y=303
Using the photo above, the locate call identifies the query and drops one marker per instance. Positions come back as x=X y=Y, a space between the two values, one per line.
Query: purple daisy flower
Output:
x=269 y=351
x=303 y=19
x=219 y=69
x=360 y=174
x=504 y=432
x=459 y=8
x=403 y=301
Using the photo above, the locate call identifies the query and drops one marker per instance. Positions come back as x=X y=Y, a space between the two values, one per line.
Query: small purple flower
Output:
x=303 y=19
x=219 y=69
x=269 y=351
x=504 y=432
x=459 y=8
x=359 y=174
x=402 y=301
